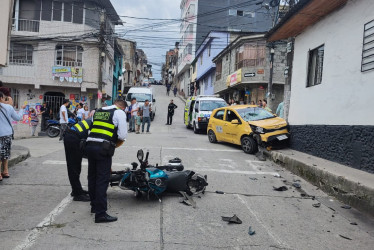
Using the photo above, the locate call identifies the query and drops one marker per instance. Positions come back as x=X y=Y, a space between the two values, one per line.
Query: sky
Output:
x=155 y=37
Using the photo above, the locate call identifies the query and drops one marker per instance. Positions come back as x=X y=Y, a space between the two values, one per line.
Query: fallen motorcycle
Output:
x=155 y=180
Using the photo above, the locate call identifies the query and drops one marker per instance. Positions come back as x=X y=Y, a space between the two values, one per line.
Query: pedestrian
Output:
x=7 y=98
x=253 y=103
x=7 y=113
x=280 y=110
x=175 y=90
x=265 y=106
x=134 y=112
x=171 y=109
x=138 y=122
x=64 y=117
x=34 y=120
x=46 y=113
x=108 y=129
x=74 y=141
x=80 y=112
x=168 y=86
x=259 y=103
x=86 y=112
x=146 y=111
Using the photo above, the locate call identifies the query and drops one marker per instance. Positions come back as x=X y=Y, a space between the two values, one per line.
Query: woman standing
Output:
x=86 y=113
x=34 y=120
x=7 y=113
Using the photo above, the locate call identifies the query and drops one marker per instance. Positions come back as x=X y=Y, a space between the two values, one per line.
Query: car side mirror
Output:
x=140 y=155
x=235 y=121
x=153 y=100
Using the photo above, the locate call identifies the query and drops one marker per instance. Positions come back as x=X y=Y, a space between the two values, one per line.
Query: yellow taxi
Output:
x=248 y=126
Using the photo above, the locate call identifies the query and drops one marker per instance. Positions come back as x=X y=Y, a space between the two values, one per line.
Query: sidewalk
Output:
x=18 y=154
x=351 y=186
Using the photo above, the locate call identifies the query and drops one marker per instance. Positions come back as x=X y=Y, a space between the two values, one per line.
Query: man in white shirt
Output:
x=108 y=129
x=63 y=118
x=134 y=114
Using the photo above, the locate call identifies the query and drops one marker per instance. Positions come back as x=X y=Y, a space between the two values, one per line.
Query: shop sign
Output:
x=234 y=78
x=99 y=95
x=249 y=74
x=69 y=74
x=260 y=71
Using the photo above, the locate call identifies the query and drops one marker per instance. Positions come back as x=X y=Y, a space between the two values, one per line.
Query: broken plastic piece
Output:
x=316 y=205
x=353 y=223
x=277 y=175
x=253 y=178
x=250 y=231
x=346 y=207
x=233 y=219
x=220 y=192
x=296 y=185
x=282 y=188
x=345 y=237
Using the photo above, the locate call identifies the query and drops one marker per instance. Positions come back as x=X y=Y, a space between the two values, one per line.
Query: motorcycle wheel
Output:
x=53 y=132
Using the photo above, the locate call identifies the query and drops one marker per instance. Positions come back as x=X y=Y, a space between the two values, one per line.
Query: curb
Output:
x=345 y=188
x=18 y=155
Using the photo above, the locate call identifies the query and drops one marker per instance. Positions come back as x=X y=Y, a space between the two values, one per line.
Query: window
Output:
x=315 y=66
x=20 y=54
x=14 y=93
x=239 y=13
x=201 y=59
x=367 y=62
x=250 y=55
x=67 y=12
x=57 y=11
x=230 y=115
x=219 y=114
x=219 y=70
x=69 y=56
x=209 y=48
x=234 y=12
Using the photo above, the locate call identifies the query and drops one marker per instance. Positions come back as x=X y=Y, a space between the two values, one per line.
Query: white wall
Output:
x=346 y=95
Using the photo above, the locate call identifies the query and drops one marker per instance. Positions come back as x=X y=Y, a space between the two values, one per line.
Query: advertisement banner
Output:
x=68 y=74
x=234 y=78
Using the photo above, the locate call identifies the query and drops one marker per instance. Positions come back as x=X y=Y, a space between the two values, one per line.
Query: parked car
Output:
x=141 y=94
x=198 y=110
x=248 y=126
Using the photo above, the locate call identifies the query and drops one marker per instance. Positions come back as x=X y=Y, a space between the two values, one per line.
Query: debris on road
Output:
x=346 y=207
x=187 y=200
x=353 y=223
x=234 y=219
x=250 y=231
x=316 y=205
x=281 y=188
x=296 y=185
x=277 y=175
x=253 y=178
x=220 y=192
x=345 y=237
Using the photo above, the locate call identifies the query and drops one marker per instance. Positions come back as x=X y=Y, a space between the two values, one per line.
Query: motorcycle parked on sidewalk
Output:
x=54 y=128
x=155 y=180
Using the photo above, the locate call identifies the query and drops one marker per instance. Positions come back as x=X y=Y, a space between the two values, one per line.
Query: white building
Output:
x=55 y=53
x=331 y=105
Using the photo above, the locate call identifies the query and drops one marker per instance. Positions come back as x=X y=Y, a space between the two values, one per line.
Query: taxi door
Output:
x=232 y=131
x=218 y=124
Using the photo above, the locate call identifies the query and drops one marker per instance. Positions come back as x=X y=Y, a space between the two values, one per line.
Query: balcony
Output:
x=25 y=25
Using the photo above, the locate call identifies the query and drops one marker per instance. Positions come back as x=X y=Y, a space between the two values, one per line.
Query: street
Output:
x=37 y=211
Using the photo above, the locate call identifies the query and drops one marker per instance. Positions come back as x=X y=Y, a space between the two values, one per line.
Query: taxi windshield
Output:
x=210 y=105
x=254 y=114
x=140 y=97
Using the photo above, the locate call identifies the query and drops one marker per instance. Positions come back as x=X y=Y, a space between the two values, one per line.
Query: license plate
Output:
x=282 y=137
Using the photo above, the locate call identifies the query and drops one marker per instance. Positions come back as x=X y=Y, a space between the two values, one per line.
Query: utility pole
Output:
x=101 y=57
x=270 y=83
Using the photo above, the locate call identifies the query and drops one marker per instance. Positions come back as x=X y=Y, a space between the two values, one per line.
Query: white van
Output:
x=141 y=94
x=198 y=110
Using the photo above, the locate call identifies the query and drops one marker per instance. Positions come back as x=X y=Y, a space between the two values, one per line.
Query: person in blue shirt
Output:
x=7 y=113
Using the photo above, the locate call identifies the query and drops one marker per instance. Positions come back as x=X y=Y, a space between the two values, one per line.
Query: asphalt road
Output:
x=36 y=210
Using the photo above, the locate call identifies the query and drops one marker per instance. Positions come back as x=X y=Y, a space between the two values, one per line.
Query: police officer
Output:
x=74 y=138
x=109 y=127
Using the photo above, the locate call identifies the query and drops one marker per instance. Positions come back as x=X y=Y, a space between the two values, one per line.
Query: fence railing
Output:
x=26 y=25
x=68 y=63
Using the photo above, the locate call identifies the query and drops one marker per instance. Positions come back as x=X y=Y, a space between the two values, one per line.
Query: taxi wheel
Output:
x=212 y=136
x=249 y=145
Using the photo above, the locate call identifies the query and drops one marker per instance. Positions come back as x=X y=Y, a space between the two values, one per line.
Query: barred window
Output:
x=20 y=54
x=315 y=66
x=250 y=55
x=218 y=70
x=69 y=56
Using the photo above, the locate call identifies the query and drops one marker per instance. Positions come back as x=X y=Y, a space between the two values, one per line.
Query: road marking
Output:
x=227 y=171
x=191 y=149
x=227 y=163
x=84 y=163
x=273 y=236
x=47 y=221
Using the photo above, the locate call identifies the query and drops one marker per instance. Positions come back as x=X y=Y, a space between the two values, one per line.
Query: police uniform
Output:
x=109 y=125
x=74 y=155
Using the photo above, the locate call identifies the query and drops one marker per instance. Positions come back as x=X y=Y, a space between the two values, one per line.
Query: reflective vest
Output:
x=82 y=128
x=103 y=126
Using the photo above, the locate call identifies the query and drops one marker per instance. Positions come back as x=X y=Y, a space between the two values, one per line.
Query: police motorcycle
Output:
x=53 y=127
x=155 y=180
